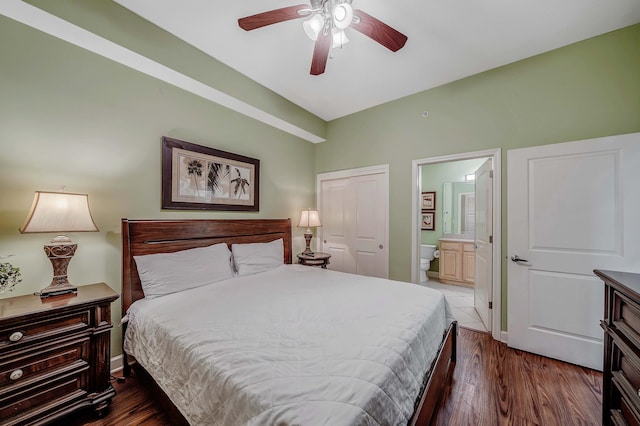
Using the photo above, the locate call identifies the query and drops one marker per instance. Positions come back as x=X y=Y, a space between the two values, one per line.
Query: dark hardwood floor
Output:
x=496 y=385
x=491 y=385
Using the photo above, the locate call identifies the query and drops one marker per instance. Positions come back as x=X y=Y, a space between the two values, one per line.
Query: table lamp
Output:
x=309 y=219
x=59 y=212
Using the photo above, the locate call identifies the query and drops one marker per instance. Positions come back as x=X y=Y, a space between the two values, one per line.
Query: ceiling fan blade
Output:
x=263 y=19
x=378 y=31
x=320 y=53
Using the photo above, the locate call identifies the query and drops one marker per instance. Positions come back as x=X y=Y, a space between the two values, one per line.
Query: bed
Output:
x=288 y=345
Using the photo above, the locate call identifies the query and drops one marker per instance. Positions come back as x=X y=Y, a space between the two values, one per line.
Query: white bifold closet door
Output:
x=353 y=213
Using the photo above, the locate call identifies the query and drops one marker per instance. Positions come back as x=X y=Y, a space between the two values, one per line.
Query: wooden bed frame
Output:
x=141 y=237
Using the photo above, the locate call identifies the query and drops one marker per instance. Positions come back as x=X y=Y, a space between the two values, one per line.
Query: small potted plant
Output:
x=10 y=276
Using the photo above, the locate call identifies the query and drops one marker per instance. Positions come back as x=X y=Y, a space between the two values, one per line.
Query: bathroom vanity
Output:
x=457 y=261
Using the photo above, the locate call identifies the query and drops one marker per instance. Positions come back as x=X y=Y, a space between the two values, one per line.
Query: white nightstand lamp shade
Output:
x=59 y=212
x=309 y=219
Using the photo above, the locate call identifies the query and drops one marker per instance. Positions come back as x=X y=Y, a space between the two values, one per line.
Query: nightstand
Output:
x=318 y=259
x=55 y=355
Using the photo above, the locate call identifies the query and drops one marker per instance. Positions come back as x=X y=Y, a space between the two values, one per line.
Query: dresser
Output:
x=621 y=369
x=457 y=262
x=55 y=355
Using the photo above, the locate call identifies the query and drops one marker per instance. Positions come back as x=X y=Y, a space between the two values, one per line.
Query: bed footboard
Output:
x=439 y=375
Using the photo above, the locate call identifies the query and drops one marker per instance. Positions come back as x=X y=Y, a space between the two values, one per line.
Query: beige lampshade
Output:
x=59 y=212
x=309 y=219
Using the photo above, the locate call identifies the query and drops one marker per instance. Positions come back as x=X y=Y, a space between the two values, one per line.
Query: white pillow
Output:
x=258 y=257
x=167 y=273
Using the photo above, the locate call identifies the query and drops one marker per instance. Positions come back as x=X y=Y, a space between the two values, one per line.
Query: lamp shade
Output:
x=342 y=15
x=309 y=219
x=313 y=26
x=59 y=212
x=338 y=38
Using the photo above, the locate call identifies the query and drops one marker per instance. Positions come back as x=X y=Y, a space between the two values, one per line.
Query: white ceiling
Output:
x=447 y=40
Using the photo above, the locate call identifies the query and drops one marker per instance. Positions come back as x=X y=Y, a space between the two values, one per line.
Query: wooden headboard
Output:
x=140 y=237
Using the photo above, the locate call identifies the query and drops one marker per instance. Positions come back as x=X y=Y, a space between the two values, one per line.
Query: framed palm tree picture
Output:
x=196 y=177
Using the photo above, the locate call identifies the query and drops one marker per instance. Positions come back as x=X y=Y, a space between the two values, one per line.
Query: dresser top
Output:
x=87 y=295
x=628 y=280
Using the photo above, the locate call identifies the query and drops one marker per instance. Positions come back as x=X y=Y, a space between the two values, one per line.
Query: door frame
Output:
x=349 y=173
x=496 y=284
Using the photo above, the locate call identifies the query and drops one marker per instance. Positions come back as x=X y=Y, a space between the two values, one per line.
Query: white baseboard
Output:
x=116 y=363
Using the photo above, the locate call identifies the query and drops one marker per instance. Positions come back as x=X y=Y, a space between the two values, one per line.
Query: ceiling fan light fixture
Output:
x=342 y=15
x=313 y=26
x=338 y=38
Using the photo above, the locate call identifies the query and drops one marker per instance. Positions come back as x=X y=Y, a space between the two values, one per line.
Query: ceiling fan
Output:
x=326 y=24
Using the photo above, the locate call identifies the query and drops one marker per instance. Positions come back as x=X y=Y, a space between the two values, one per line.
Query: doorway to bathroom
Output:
x=460 y=216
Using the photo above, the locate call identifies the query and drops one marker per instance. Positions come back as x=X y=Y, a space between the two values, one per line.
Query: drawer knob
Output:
x=638 y=392
x=16 y=374
x=16 y=336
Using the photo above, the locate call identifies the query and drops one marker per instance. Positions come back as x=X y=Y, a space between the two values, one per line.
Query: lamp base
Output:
x=60 y=255
x=307 y=236
x=59 y=290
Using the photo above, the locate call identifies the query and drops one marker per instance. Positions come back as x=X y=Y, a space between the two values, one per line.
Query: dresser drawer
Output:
x=631 y=373
x=34 y=364
x=625 y=365
x=49 y=328
x=625 y=373
x=628 y=413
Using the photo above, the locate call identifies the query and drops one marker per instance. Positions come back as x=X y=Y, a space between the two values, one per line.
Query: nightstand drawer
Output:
x=18 y=403
x=51 y=328
x=28 y=366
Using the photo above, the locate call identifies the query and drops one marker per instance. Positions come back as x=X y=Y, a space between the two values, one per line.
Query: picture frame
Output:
x=429 y=200
x=196 y=177
x=428 y=222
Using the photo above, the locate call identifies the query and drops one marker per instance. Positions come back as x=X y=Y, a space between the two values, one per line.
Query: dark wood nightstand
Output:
x=55 y=355
x=318 y=259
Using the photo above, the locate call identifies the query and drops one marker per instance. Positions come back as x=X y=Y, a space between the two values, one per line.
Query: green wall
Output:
x=71 y=117
x=585 y=90
x=116 y=23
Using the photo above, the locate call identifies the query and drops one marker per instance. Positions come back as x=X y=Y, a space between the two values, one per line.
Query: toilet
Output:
x=428 y=252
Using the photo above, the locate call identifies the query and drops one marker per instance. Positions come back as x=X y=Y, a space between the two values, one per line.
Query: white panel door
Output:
x=483 y=288
x=354 y=224
x=335 y=198
x=369 y=194
x=573 y=207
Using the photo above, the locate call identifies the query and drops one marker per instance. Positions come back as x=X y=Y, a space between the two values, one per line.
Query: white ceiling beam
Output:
x=43 y=21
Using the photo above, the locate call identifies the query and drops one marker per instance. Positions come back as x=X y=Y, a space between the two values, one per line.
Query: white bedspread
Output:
x=293 y=346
